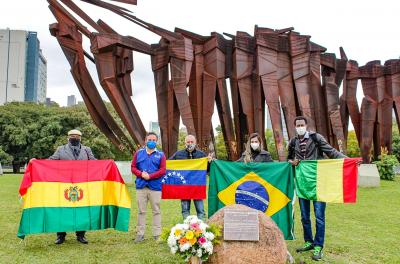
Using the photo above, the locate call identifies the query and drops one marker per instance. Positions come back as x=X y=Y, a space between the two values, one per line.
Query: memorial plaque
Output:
x=241 y=225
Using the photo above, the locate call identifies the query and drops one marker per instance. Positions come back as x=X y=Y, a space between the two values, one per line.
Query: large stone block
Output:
x=368 y=176
x=124 y=168
x=271 y=248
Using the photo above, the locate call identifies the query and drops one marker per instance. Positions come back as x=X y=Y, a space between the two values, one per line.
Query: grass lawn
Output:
x=367 y=232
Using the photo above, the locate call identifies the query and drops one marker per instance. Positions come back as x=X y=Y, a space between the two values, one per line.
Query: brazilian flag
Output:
x=267 y=187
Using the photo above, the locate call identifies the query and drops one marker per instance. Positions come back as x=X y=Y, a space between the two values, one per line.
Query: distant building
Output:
x=23 y=68
x=49 y=102
x=71 y=100
x=154 y=127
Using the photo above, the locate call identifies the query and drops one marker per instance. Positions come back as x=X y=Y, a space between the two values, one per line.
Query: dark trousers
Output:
x=78 y=234
x=319 y=211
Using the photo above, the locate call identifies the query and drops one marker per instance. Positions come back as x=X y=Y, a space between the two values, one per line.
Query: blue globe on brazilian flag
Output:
x=267 y=187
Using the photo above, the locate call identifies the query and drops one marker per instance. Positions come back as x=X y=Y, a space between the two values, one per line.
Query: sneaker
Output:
x=138 y=239
x=317 y=255
x=306 y=247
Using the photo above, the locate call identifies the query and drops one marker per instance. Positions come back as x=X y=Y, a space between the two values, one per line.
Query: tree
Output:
x=220 y=147
x=29 y=130
x=270 y=144
x=353 y=150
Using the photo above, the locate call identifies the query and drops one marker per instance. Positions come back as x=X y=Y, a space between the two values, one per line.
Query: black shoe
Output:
x=306 y=247
x=60 y=240
x=82 y=239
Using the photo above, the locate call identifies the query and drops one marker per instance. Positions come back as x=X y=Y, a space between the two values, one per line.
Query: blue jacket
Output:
x=154 y=164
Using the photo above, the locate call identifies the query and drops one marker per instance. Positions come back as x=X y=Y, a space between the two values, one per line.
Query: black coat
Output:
x=262 y=156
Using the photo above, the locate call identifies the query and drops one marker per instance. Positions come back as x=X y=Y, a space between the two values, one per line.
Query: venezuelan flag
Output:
x=185 y=179
x=64 y=195
x=267 y=187
x=330 y=180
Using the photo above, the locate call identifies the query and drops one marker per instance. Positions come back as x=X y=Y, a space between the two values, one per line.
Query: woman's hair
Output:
x=248 y=157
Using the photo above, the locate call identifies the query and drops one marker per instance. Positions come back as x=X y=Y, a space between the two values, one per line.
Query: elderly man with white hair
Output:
x=73 y=150
x=191 y=152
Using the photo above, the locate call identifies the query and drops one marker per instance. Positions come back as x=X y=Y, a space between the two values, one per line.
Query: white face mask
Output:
x=301 y=130
x=254 y=146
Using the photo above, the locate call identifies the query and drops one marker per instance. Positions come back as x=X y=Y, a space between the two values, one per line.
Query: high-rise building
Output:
x=71 y=100
x=155 y=127
x=23 y=71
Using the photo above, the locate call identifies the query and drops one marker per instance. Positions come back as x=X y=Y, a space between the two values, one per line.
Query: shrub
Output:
x=385 y=165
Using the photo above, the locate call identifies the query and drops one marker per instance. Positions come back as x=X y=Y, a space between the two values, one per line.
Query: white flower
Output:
x=199 y=253
x=184 y=247
x=171 y=241
x=191 y=219
x=208 y=247
x=203 y=226
x=174 y=249
x=209 y=235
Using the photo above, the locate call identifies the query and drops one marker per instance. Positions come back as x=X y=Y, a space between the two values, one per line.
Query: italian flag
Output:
x=330 y=180
x=69 y=195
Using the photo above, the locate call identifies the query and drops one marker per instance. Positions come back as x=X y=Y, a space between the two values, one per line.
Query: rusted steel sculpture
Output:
x=333 y=71
x=372 y=79
x=392 y=77
x=348 y=99
x=267 y=68
x=209 y=71
x=280 y=70
x=70 y=39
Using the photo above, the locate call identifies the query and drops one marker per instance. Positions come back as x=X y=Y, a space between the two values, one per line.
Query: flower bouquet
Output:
x=193 y=239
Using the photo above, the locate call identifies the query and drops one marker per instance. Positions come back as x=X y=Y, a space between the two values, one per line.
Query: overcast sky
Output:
x=368 y=30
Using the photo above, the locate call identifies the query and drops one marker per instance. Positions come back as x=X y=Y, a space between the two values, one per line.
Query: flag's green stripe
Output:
x=64 y=219
x=306 y=179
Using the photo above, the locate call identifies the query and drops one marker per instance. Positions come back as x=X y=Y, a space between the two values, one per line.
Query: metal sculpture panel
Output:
x=279 y=71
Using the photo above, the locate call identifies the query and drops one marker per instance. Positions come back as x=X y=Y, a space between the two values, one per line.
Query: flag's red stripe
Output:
x=350 y=171
x=69 y=171
x=185 y=192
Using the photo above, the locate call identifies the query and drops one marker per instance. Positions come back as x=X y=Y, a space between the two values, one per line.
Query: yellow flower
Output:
x=178 y=232
x=193 y=241
x=189 y=235
x=197 y=233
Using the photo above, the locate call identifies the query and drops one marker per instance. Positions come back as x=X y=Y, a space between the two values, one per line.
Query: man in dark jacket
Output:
x=74 y=150
x=308 y=145
x=190 y=152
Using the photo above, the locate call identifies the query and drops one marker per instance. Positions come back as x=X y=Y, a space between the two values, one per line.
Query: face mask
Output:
x=151 y=144
x=190 y=147
x=74 y=141
x=254 y=146
x=301 y=130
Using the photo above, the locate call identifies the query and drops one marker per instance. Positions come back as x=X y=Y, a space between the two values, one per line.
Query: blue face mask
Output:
x=151 y=144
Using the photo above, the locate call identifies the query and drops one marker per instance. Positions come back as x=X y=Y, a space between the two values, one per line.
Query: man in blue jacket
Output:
x=190 y=152
x=149 y=165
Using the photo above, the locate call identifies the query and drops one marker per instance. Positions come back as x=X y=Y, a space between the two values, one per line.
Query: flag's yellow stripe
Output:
x=330 y=180
x=189 y=164
x=51 y=194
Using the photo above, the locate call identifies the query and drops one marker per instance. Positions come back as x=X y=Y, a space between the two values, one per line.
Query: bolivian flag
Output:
x=267 y=187
x=64 y=195
x=330 y=180
x=185 y=179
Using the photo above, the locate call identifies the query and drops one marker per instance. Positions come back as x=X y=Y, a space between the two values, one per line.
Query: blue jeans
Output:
x=199 y=204
x=319 y=211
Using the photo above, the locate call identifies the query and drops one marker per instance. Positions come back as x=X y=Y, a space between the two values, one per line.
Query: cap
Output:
x=74 y=132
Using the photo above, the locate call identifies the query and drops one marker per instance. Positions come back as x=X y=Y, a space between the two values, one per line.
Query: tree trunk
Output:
x=16 y=167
